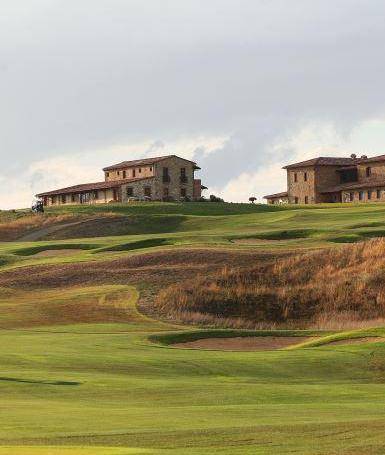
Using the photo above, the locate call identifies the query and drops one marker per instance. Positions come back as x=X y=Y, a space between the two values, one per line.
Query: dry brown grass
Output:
x=14 y=228
x=337 y=287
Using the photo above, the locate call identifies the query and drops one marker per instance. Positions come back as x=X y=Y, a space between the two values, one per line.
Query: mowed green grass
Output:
x=80 y=375
x=155 y=226
x=105 y=388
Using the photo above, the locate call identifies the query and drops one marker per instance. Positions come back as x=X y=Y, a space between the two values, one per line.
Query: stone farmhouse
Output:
x=328 y=179
x=164 y=178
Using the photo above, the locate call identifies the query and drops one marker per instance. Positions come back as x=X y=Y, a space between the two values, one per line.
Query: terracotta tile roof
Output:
x=91 y=187
x=323 y=161
x=276 y=195
x=372 y=159
x=355 y=186
x=143 y=162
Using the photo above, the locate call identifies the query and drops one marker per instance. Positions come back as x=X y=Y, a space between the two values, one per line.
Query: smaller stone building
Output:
x=165 y=178
x=333 y=179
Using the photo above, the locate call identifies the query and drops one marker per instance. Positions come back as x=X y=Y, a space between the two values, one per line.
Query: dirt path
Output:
x=243 y=343
x=42 y=232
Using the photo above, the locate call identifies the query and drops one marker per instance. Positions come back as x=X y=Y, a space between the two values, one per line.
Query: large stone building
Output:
x=165 y=178
x=327 y=179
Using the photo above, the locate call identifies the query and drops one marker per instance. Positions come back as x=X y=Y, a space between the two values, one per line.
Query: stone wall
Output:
x=299 y=187
x=157 y=188
x=377 y=171
x=197 y=189
x=326 y=177
x=129 y=173
x=139 y=189
x=374 y=197
x=175 y=185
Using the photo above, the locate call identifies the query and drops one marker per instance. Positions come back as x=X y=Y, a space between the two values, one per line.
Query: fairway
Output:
x=87 y=369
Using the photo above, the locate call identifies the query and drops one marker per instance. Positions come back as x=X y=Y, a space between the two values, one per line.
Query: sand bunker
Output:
x=243 y=343
x=54 y=253
x=356 y=340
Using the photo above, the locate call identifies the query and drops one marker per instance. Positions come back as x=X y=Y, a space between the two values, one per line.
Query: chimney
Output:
x=353 y=156
x=364 y=157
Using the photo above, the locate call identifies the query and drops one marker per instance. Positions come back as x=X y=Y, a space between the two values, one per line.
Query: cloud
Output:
x=86 y=166
x=77 y=77
x=308 y=141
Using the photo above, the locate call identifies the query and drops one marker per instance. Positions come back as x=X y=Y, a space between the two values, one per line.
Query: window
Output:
x=130 y=191
x=96 y=194
x=306 y=200
x=140 y=170
x=150 y=169
x=369 y=194
x=118 y=172
x=147 y=191
x=73 y=197
x=166 y=177
x=351 y=197
x=361 y=195
x=295 y=177
x=63 y=199
x=107 y=174
x=165 y=191
x=84 y=198
x=296 y=199
x=133 y=172
x=368 y=171
x=183 y=192
x=124 y=174
x=183 y=177
x=305 y=177
x=378 y=194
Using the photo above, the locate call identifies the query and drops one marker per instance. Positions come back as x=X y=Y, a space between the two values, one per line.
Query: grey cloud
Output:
x=76 y=75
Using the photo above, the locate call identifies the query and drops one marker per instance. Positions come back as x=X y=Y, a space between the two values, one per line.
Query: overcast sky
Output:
x=241 y=86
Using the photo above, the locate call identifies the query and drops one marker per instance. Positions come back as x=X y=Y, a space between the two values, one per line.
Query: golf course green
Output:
x=87 y=370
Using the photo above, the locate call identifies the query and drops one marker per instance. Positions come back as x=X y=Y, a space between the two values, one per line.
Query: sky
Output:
x=241 y=86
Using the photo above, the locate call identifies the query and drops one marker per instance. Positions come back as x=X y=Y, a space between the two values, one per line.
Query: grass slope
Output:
x=80 y=373
x=86 y=387
x=218 y=225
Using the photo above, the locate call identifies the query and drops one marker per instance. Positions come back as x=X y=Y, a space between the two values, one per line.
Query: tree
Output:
x=252 y=199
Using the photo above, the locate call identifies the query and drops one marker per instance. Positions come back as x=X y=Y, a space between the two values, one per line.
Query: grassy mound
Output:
x=314 y=288
x=140 y=244
x=284 y=234
x=169 y=208
x=70 y=305
x=168 y=339
x=32 y=250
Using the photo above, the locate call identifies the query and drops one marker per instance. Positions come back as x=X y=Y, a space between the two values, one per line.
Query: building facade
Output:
x=166 y=178
x=333 y=179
